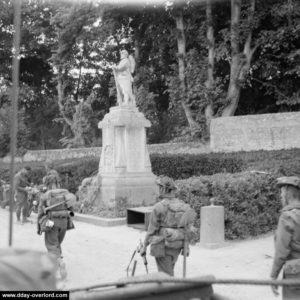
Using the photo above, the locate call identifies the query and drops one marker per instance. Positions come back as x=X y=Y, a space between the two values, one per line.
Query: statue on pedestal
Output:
x=123 y=78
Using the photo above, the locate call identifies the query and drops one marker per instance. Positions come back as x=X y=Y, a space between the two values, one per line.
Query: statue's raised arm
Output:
x=123 y=78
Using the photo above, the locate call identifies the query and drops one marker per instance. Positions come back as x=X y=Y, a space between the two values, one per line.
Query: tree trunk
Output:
x=210 y=67
x=181 y=44
x=136 y=52
x=61 y=96
x=240 y=62
x=42 y=131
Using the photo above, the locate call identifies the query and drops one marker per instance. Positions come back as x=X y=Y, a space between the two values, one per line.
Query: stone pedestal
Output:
x=212 y=226
x=125 y=167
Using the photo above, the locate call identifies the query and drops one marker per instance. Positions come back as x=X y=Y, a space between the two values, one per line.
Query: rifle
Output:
x=46 y=209
x=137 y=250
x=44 y=215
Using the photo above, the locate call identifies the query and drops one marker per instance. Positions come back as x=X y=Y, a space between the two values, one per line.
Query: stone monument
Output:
x=125 y=168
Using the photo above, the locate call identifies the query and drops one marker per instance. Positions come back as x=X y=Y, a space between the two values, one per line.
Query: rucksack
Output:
x=177 y=223
x=56 y=196
x=178 y=213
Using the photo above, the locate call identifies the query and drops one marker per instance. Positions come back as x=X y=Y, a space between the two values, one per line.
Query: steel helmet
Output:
x=166 y=182
x=290 y=180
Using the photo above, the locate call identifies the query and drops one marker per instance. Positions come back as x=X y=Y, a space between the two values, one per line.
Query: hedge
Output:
x=251 y=201
x=187 y=165
x=283 y=162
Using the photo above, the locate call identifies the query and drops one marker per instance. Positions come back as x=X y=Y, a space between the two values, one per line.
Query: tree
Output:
x=73 y=25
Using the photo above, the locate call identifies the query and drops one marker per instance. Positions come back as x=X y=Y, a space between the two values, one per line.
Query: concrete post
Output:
x=212 y=226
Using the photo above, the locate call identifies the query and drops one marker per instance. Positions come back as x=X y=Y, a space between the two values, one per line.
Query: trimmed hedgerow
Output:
x=188 y=165
x=251 y=201
x=72 y=172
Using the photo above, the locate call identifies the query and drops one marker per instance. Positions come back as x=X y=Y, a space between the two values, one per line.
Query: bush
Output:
x=285 y=162
x=251 y=201
x=72 y=173
x=278 y=163
x=187 y=165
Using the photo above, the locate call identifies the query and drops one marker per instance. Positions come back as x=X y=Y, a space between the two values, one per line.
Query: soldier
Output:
x=287 y=238
x=22 y=186
x=169 y=227
x=54 y=218
x=52 y=177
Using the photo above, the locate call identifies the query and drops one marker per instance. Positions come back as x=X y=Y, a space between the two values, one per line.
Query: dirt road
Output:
x=96 y=254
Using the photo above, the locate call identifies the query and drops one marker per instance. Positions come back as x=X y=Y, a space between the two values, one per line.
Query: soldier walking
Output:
x=287 y=238
x=54 y=218
x=22 y=186
x=52 y=177
x=169 y=228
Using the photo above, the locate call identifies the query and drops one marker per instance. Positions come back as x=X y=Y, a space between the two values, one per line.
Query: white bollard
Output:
x=212 y=226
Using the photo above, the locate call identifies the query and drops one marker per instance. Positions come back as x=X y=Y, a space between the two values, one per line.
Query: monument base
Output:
x=128 y=190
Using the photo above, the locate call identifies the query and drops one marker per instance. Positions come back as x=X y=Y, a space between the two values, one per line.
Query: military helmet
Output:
x=166 y=182
x=51 y=180
x=289 y=180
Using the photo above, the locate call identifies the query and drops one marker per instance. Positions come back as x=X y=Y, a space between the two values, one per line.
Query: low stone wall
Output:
x=62 y=154
x=256 y=132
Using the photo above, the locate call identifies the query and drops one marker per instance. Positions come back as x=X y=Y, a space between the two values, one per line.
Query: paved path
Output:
x=96 y=254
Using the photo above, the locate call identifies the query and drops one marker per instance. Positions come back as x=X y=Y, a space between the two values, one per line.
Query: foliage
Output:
x=251 y=201
x=188 y=165
x=5 y=125
x=67 y=48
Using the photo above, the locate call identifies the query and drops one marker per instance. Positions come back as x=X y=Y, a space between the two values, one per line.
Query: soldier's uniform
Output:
x=52 y=179
x=170 y=221
x=287 y=242
x=21 y=195
x=55 y=221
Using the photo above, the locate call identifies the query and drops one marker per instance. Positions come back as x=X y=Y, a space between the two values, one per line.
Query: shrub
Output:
x=181 y=166
x=285 y=162
x=251 y=201
x=72 y=173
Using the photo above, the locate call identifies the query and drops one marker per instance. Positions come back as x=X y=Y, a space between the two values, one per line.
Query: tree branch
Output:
x=272 y=86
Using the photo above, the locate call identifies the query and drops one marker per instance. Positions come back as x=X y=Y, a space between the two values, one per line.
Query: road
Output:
x=96 y=254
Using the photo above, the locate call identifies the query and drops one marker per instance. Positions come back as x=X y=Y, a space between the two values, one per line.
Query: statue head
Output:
x=124 y=54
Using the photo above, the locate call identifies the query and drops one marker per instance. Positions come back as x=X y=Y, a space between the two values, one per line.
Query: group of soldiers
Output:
x=55 y=212
x=166 y=233
x=170 y=227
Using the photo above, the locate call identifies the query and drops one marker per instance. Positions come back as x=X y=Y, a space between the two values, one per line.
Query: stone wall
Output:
x=256 y=132
x=62 y=154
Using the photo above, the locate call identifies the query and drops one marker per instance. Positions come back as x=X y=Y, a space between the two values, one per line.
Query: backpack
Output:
x=56 y=196
x=177 y=223
x=179 y=214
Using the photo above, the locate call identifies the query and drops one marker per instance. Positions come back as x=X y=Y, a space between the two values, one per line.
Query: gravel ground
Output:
x=96 y=254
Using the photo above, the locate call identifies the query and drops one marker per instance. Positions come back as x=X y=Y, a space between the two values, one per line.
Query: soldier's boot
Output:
x=18 y=217
x=25 y=220
x=62 y=269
